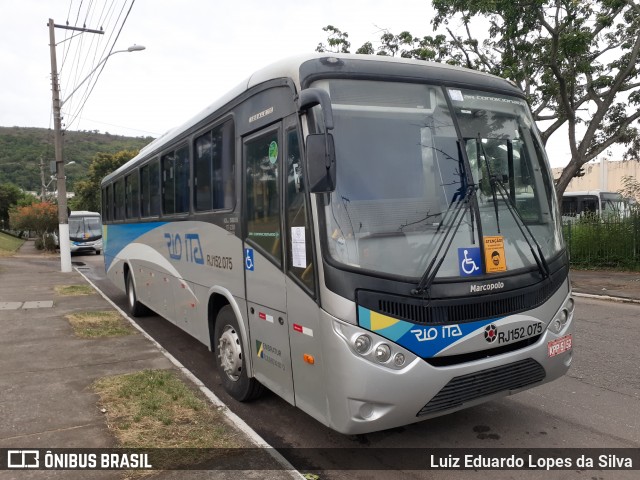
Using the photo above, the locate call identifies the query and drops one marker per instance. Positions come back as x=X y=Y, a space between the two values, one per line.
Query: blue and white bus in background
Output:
x=85 y=232
x=376 y=240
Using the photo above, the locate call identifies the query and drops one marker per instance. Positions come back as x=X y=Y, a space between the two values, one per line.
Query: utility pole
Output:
x=43 y=185
x=63 y=217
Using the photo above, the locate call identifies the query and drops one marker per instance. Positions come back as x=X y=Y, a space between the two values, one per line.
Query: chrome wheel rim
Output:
x=230 y=353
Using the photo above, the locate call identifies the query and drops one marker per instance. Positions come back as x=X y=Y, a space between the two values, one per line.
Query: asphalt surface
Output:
x=45 y=373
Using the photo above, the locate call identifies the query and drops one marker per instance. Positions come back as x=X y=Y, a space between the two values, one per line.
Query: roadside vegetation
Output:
x=156 y=409
x=72 y=290
x=597 y=243
x=99 y=324
x=9 y=244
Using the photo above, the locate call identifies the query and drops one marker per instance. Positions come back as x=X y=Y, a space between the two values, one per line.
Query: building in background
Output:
x=605 y=175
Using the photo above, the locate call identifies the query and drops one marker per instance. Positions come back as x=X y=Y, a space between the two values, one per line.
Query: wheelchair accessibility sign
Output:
x=469 y=261
x=248 y=259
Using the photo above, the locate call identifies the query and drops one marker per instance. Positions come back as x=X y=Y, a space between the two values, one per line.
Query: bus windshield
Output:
x=402 y=166
x=85 y=228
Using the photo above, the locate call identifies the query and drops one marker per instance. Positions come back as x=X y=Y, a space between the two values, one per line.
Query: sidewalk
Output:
x=46 y=373
x=606 y=283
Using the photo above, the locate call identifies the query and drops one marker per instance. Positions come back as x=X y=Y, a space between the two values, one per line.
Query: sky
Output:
x=196 y=50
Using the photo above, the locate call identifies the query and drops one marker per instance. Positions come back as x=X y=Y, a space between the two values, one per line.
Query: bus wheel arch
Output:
x=229 y=344
x=136 y=309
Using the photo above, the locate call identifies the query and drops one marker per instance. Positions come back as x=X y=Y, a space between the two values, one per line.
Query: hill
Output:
x=22 y=148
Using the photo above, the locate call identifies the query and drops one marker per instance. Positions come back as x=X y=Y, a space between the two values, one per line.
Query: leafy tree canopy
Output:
x=576 y=61
x=87 y=191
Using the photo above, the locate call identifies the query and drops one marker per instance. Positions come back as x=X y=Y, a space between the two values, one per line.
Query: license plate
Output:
x=559 y=346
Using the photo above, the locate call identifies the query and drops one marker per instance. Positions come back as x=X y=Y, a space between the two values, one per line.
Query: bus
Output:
x=376 y=240
x=85 y=232
x=594 y=202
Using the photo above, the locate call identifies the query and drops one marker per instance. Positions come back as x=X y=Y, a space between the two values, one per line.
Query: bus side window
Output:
x=168 y=184
x=118 y=196
x=300 y=253
x=154 y=188
x=131 y=194
x=213 y=169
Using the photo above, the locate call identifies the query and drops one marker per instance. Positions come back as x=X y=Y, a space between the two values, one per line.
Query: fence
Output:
x=611 y=242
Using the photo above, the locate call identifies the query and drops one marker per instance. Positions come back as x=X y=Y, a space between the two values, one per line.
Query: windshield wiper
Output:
x=462 y=205
x=541 y=262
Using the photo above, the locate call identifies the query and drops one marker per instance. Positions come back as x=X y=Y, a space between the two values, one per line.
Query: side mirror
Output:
x=321 y=163
x=311 y=97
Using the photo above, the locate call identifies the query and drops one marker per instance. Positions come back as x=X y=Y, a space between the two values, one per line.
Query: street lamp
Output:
x=63 y=218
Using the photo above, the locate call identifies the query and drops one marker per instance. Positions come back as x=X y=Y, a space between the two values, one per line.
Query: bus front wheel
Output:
x=231 y=360
x=136 y=309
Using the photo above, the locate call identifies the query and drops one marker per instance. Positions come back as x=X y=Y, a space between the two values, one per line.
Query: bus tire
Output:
x=136 y=309
x=231 y=360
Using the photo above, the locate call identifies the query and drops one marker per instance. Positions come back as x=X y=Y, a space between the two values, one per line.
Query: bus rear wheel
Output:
x=136 y=309
x=231 y=360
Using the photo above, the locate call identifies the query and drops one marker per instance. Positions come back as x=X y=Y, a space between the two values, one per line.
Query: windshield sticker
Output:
x=469 y=261
x=273 y=152
x=456 y=95
x=298 y=247
x=494 y=258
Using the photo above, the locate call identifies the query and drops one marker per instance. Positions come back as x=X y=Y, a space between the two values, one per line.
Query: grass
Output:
x=99 y=324
x=156 y=409
x=73 y=290
x=9 y=244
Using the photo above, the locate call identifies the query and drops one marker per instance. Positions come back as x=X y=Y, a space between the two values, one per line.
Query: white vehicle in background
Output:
x=604 y=204
x=85 y=232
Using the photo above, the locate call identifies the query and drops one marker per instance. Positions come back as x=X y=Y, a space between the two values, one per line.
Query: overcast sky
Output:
x=196 y=50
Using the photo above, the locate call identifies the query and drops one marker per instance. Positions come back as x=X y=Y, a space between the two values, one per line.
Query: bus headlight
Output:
x=362 y=344
x=383 y=353
x=560 y=321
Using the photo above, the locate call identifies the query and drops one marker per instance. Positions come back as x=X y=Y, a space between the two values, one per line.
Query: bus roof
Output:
x=83 y=213
x=302 y=69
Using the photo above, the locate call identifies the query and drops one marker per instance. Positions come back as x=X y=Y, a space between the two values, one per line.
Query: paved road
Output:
x=596 y=405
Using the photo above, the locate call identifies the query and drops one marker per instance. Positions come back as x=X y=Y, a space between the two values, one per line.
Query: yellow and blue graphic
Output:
x=425 y=341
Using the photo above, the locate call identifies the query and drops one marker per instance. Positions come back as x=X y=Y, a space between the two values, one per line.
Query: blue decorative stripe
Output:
x=118 y=236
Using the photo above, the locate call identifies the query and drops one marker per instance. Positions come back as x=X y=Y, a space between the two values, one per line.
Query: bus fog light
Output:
x=557 y=325
x=571 y=304
x=399 y=360
x=362 y=344
x=564 y=315
x=383 y=352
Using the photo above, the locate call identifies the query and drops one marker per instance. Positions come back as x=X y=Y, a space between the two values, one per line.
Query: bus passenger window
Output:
x=118 y=196
x=168 y=184
x=131 y=193
x=154 y=188
x=213 y=169
x=182 y=180
x=263 y=197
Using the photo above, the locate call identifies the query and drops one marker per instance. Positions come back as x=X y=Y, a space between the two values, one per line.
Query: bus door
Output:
x=263 y=260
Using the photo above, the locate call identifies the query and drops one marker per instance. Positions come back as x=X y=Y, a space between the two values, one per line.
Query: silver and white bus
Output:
x=376 y=240
x=594 y=202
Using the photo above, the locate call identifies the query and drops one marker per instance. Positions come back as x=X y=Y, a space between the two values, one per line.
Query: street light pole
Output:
x=63 y=213
x=63 y=218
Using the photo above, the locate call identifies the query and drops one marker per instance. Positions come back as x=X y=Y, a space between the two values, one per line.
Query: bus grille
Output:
x=484 y=383
x=458 y=310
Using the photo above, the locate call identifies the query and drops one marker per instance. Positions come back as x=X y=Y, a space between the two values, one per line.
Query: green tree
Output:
x=88 y=194
x=41 y=218
x=10 y=194
x=577 y=62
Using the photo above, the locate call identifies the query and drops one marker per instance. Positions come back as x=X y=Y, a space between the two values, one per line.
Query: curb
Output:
x=232 y=417
x=606 y=297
